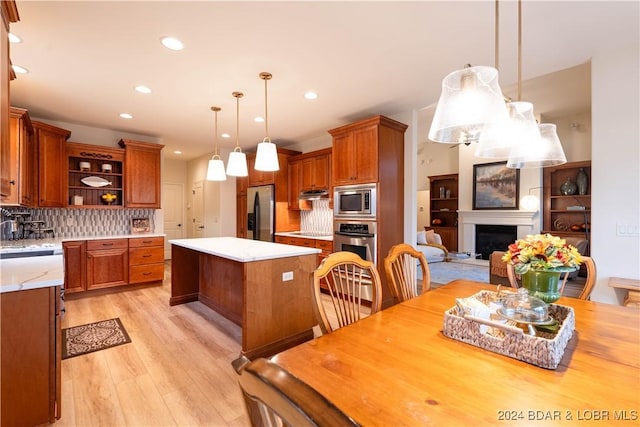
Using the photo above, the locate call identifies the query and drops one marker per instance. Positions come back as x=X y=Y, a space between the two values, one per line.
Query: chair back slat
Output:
x=401 y=267
x=346 y=280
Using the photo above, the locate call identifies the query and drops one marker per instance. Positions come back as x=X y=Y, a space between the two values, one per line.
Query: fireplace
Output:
x=491 y=238
x=526 y=222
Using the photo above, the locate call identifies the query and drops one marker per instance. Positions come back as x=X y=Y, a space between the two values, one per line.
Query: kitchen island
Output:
x=261 y=286
x=30 y=311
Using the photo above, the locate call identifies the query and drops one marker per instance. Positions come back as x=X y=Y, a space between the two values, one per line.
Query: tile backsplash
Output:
x=86 y=222
x=319 y=220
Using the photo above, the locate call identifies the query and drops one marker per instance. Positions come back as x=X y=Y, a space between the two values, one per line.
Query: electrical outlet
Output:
x=287 y=275
x=70 y=221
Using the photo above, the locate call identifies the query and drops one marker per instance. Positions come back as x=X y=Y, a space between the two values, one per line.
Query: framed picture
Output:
x=495 y=186
x=140 y=225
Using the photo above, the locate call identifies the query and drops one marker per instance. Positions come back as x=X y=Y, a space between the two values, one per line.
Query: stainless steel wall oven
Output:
x=358 y=237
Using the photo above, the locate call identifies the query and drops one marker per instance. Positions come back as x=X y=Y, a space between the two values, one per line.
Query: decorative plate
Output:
x=95 y=181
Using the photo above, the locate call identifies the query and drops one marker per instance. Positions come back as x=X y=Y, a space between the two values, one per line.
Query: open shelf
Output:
x=96 y=158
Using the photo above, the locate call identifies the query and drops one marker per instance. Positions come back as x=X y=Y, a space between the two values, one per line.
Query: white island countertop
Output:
x=20 y=274
x=243 y=250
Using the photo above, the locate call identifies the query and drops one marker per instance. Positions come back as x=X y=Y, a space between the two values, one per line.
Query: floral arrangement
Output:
x=542 y=252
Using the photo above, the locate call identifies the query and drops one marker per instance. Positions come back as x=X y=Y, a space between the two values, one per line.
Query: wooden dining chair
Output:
x=401 y=267
x=274 y=397
x=590 y=265
x=350 y=282
x=590 y=282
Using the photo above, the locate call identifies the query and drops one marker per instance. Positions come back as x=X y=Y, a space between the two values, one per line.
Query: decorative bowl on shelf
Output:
x=109 y=198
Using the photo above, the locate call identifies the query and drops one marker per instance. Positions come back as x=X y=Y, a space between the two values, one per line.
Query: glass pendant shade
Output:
x=267 y=157
x=215 y=171
x=470 y=99
x=518 y=127
x=237 y=164
x=547 y=151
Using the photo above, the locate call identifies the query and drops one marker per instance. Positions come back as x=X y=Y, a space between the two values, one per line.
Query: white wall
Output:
x=615 y=173
x=219 y=199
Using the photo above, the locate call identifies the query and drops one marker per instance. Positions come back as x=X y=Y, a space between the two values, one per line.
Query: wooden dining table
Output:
x=396 y=368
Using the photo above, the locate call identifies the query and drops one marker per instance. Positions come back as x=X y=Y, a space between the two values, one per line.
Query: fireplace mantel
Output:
x=467 y=220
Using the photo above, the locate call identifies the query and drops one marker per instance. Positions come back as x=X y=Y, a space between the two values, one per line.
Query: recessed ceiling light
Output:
x=172 y=43
x=311 y=95
x=14 y=39
x=225 y=135
x=143 y=89
x=126 y=116
x=19 y=70
x=177 y=152
x=259 y=119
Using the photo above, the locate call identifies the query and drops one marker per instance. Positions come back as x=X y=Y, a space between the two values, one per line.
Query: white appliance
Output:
x=260 y=213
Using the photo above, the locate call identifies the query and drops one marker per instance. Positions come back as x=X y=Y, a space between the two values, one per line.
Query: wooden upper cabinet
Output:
x=20 y=157
x=355 y=155
x=28 y=185
x=8 y=14
x=293 y=183
x=257 y=177
x=315 y=172
x=142 y=181
x=52 y=161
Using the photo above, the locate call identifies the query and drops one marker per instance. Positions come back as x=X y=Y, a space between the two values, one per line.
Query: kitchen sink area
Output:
x=310 y=234
x=29 y=248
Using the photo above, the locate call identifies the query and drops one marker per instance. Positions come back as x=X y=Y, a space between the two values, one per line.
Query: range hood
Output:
x=313 y=195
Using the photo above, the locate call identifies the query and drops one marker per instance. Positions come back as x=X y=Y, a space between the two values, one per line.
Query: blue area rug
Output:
x=445 y=272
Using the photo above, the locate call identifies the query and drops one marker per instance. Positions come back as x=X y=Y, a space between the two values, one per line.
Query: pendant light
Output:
x=237 y=164
x=215 y=171
x=471 y=98
x=517 y=126
x=267 y=155
x=533 y=149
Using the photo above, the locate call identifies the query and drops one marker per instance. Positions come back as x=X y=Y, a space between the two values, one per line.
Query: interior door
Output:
x=173 y=210
x=198 y=209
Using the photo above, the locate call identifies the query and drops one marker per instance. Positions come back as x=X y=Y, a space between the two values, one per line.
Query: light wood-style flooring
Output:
x=175 y=372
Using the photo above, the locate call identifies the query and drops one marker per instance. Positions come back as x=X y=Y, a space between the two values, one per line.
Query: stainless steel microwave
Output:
x=354 y=201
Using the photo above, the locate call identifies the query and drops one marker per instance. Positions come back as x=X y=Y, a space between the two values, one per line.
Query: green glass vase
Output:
x=542 y=284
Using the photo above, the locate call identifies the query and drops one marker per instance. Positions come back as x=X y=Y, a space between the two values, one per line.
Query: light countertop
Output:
x=243 y=250
x=34 y=272
x=55 y=243
x=304 y=235
x=19 y=274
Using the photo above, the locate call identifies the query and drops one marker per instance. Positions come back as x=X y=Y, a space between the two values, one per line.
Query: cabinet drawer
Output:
x=146 y=255
x=146 y=241
x=307 y=243
x=325 y=245
x=94 y=245
x=146 y=273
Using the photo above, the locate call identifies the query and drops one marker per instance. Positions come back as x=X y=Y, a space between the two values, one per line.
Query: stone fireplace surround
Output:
x=467 y=220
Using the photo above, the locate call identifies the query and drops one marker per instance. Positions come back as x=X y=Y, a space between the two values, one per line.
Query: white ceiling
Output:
x=363 y=58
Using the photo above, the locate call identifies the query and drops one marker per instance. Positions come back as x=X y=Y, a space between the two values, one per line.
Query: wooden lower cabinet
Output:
x=146 y=259
x=75 y=266
x=449 y=236
x=107 y=263
x=326 y=246
x=104 y=263
x=31 y=357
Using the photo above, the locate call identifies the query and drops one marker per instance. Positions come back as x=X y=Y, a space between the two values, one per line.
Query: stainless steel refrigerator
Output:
x=260 y=213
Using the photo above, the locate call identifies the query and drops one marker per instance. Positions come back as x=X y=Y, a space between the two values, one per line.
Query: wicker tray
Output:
x=544 y=349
